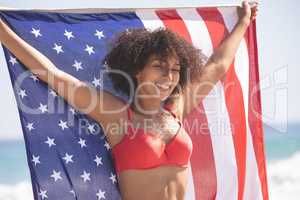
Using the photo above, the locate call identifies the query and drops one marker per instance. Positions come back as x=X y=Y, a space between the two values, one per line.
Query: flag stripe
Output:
x=196 y=27
x=252 y=182
x=232 y=87
x=149 y=19
x=222 y=117
x=254 y=110
x=172 y=21
x=201 y=36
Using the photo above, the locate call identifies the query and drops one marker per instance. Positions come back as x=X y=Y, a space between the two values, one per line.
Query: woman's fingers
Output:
x=254 y=12
x=253 y=3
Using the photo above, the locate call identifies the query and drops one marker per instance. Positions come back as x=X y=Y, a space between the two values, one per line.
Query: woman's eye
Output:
x=161 y=68
x=175 y=71
x=157 y=66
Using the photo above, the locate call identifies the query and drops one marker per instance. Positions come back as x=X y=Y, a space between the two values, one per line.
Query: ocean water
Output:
x=282 y=152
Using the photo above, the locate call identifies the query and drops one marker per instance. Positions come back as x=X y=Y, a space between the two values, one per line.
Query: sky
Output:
x=277 y=30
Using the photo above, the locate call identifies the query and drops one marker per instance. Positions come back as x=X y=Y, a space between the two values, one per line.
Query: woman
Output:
x=168 y=77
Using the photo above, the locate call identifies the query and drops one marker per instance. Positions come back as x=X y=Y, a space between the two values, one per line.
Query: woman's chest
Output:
x=162 y=126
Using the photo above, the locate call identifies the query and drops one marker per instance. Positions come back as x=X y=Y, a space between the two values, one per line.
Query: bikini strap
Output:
x=173 y=114
x=129 y=113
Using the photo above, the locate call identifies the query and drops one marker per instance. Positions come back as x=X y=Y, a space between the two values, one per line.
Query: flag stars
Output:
x=13 y=60
x=113 y=178
x=53 y=93
x=77 y=65
x=96 y=82
x=100 y=194
x=127 y=31
x=43 y=108
x=43 y=194
x=50 y=142
x=29 y=126
x=99 y=34
x=68 y=158
x=107 y=145
x=63 y=124
x=22 y=93
x=36 y=160
x=68 y=34
x=72 y=110
x=58 y=48
x=82 y=143
x=86 y=176
x=91 y=128
x=89 y=49
x=105 y=65
x=34 y=77
x=98 y=160
x=73 y=192
x=56 y=175
x=36 y=32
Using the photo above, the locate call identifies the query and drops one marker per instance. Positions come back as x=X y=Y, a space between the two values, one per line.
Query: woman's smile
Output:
x=164 y=87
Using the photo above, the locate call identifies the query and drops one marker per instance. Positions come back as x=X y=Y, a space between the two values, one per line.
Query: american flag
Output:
x=68 y=155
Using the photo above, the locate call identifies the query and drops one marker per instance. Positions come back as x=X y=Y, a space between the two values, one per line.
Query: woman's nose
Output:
x=167 y=72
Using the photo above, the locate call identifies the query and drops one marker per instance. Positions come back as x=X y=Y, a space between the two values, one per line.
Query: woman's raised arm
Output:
x=218 y=63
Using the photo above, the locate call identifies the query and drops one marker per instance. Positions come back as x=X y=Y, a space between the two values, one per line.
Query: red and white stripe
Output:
x=228 y=159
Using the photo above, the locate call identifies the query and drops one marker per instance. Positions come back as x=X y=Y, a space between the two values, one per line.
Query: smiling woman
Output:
x=157 y=51
x=159 y=63
x=161 y=75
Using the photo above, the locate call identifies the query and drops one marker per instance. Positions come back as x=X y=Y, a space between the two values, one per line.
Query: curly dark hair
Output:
x=131 y=50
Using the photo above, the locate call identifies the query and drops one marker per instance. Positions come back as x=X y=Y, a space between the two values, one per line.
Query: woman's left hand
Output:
x=248 y=11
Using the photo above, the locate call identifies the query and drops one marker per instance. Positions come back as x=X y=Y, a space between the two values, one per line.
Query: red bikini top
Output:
x=139 y=150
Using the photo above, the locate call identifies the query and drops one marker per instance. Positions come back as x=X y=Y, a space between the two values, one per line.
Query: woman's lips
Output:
x=163 y=86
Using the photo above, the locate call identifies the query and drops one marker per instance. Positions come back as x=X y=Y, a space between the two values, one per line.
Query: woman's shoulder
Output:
x=116 y=117
x=113 y=108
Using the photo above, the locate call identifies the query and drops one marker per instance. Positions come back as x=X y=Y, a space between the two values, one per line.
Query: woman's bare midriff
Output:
x=161 y=183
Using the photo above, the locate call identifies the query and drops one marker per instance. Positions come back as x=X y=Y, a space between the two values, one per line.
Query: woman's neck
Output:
x=149 y=107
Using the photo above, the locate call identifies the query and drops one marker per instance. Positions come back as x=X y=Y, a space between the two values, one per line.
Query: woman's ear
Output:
x=137 y=76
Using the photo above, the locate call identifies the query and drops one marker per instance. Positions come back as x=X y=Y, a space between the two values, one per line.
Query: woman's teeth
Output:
x=165 y=87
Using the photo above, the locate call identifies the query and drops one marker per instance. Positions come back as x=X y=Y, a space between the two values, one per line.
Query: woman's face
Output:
x=158 y=78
